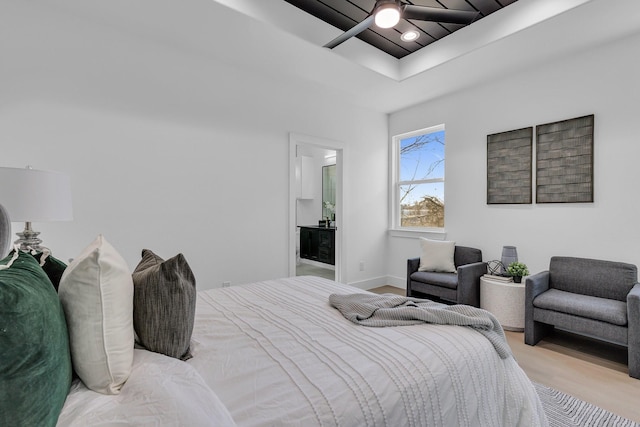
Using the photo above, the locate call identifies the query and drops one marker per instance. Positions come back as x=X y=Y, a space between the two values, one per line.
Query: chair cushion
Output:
x=606 y=310
x=598 y=278
x=445 y=280
x=437 y=255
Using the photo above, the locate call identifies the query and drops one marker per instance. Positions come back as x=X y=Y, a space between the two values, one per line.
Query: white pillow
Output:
x=96 y=291
x=437 y=255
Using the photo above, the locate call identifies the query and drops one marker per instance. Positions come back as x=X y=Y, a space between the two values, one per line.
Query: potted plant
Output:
x=517 y=270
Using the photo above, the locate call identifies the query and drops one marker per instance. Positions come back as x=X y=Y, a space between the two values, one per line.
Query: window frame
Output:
x=394 y=201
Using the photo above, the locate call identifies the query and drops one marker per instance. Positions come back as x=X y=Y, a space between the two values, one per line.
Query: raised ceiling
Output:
x=344 y=14
x=282 y=45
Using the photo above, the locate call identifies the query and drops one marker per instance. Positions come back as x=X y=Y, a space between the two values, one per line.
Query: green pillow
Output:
x=53 y=267
x=35 y=362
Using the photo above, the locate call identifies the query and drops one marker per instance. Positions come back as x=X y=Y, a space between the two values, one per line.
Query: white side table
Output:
x=505 y=300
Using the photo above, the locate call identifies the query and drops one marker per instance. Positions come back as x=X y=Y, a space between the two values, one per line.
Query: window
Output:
x=418 y=179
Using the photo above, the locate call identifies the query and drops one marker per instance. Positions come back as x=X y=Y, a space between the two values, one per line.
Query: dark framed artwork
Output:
x=564 y=161
x=509 y=167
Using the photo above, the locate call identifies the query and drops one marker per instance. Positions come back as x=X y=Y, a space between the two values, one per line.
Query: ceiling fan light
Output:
x=387 y=15
x=409 y=36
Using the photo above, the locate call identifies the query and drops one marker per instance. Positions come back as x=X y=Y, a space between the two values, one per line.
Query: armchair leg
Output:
x=634 y=372
x=634 y=362
x=535 y=331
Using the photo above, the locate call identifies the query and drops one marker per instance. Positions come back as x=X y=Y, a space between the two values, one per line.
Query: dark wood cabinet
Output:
x=318 y=244
x=308 y=243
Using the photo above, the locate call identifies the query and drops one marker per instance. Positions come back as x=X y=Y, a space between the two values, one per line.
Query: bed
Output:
x=275 y=353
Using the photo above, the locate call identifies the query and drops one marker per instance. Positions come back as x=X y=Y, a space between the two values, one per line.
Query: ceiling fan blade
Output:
x=351 y=33
x=446 y=16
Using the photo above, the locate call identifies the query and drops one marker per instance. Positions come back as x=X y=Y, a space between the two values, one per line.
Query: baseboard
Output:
x=398 y=282
x=376 y=282
x=317 y=264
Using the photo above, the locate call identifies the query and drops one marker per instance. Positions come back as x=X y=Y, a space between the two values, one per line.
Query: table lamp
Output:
x=31 y=195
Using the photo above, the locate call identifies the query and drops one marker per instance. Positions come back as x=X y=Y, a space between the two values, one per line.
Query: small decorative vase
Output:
x=509 y=255
x=517 y=279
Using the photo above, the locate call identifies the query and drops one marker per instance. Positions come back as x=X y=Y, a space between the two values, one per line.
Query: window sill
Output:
x=412 y=233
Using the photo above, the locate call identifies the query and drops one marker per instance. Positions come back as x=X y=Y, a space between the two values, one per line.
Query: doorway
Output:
x=316 y=205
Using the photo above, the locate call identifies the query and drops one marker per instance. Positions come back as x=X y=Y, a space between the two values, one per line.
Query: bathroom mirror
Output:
x=329 y=192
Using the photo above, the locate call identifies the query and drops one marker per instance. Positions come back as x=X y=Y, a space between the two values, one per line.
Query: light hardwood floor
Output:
x=590 y=370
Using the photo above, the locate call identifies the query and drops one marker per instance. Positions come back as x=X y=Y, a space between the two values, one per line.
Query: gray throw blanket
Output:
x=396 y=310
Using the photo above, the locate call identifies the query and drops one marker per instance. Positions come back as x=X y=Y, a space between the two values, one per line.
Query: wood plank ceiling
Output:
x=344 y=14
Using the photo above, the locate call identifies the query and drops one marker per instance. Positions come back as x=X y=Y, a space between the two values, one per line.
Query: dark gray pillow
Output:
x=164 y=304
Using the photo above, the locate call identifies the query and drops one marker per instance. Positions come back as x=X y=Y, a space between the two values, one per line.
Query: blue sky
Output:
x=425 y=161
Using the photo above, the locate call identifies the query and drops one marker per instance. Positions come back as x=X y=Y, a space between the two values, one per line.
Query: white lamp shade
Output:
x=31 y=195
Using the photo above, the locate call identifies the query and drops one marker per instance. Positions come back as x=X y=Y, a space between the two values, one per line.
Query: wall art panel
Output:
x=509 y=164
x=564 y=161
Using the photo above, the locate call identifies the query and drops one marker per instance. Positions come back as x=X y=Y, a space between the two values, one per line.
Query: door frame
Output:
x=296 y=140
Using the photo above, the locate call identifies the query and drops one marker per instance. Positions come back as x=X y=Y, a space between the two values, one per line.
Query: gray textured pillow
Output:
x=164 y=304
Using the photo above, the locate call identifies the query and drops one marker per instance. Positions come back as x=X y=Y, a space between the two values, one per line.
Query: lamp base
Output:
x=29 y=239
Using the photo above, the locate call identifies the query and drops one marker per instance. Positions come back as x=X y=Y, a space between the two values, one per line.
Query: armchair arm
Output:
x=469 y=283
x=535 y=285
x=633 y=302
x=633 y=316
x=412 y=266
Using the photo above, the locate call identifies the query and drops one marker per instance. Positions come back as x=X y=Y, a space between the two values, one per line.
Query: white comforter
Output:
x=277 y=354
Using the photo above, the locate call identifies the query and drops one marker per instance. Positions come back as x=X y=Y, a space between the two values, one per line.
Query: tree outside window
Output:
x=419 y=187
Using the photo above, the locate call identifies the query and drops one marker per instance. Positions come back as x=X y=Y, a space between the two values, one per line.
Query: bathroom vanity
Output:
x=317 y=243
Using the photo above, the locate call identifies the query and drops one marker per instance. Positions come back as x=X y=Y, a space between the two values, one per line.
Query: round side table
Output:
x=505 y=300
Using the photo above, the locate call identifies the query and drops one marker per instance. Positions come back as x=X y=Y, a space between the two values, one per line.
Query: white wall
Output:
x=602 y=81
x=177 y=150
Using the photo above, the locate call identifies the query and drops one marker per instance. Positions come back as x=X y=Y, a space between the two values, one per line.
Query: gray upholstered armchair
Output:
x=462 y=287
x=600 y=299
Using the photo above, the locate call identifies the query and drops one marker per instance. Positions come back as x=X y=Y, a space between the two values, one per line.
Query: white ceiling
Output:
x=524 y=34
x=277 y=39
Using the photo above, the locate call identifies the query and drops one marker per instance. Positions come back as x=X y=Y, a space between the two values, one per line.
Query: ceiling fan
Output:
x=387 y=13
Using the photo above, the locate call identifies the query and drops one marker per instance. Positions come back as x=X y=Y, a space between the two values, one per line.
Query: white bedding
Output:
x=161 y=391
x=277 y=354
